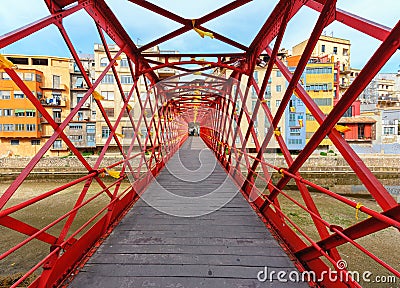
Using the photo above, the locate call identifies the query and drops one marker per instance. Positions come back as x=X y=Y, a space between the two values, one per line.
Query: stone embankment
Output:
x=327 y=171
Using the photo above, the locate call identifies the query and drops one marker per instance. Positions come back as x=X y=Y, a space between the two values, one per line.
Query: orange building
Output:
x=20 y=128
x=23 y=129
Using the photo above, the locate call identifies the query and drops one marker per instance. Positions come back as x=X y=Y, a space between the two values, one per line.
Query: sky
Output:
x=241 y=25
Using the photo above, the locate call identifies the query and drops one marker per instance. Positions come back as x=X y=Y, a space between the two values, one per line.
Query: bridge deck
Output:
x=216 y=244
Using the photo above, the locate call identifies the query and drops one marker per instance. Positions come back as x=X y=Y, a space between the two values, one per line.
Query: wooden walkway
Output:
x=179 y=236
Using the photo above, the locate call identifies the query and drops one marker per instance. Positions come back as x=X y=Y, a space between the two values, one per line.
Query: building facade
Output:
x=113 y=101
x=82 y=129
x=20 y=127
x=52 y=78
x=319 y=81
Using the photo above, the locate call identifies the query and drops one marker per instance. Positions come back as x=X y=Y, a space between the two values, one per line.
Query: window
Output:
x=319 y=70
x=361 y=131
x=90 y=140
x=108 y=95
x=104 y=62
x=18 y=95
x=323 y=48
x=31 y=127
x=80 y=116
x=345 y=52
x=126 y=79
x=79 y=82
x=4 y=76
x=128 y=132
x=335 y=50
x=57 y=115
x=79 y=97
x=295 y=141
x=56 y=98
x=38 y=78
x=267 y=92
x=105 y=132
x=278 y=88
x=144 y=132
x=323 y=101
x=8 y=112
x=18 y=60
x=278 y=73
x=108 y=79
x=56 y=81
x=75 y=126
x=292 y=117
x=19 y=127
x=109 y=112
x=30 y=113
x=5 y=95
x=40 y=61
x=91 y=128
x=14 y=142
x=349 y=112
x=57 y=144
x=28 y=76
x=278 y=103
x=124 y=62
x=255 y=75
x=294 y=131
x=75 y=138
x=253 y=92
x=310 y=117
x=8 y=127
x=388 y=130
x=35 y=142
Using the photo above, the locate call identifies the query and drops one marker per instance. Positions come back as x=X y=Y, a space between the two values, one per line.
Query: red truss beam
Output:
x=271 y=27
x=105 y=18
x=365 y=26
x=187 y=23
x=36 y=26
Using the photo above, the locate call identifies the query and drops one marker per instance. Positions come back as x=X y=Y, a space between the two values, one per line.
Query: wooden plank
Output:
x=226 y=246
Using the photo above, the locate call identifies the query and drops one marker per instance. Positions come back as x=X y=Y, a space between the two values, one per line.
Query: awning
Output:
x=19 y=110
x=28 y=110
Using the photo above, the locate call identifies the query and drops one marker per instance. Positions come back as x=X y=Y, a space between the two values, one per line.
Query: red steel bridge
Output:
x=134 y=241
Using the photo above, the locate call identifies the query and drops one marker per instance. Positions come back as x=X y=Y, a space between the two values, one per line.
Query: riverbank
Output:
x=331 y=172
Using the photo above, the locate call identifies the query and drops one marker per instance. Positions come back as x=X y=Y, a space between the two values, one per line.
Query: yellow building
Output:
x=319 y=83
x=52 y=78
x=332 y=49
x=320 y=86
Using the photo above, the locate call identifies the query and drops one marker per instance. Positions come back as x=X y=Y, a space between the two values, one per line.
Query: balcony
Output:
x=61 y=87
x=55 y=101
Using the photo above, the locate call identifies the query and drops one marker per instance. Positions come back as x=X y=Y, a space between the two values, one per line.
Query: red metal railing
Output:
x=219 y=105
